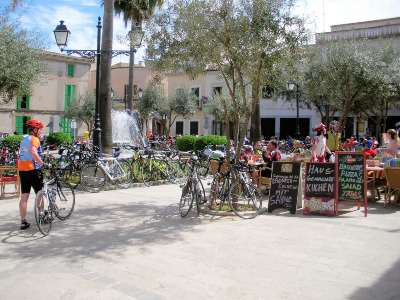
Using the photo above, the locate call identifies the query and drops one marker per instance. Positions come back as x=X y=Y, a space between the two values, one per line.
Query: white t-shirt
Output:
x=320 y=142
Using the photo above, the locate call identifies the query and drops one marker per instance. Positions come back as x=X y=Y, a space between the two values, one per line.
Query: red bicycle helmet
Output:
x=319 y=127
x=35 y=123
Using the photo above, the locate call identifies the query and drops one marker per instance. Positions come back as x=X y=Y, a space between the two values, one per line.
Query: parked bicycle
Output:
x=192 y=190
x=56 y=199
x=235 y=188
x=102 y=167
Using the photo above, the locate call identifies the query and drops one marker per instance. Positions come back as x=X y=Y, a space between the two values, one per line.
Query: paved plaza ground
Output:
x=132 y=244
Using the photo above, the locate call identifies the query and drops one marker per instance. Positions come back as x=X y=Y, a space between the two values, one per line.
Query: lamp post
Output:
x=290 y=86
x=62 y=34
x=135 y=37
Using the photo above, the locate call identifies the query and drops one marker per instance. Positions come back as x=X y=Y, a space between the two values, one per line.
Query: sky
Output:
x=80 y=17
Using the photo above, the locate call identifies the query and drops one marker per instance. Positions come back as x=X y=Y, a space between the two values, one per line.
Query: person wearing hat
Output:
x=29 y=166
x=333 y=138
x=296 y=145
x=370 y=153
x=319 y=144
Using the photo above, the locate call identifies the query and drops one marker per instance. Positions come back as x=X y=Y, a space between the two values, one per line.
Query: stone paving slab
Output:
x=132 y=244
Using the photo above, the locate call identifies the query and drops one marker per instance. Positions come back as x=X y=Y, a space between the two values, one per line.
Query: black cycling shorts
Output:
x=33 y=178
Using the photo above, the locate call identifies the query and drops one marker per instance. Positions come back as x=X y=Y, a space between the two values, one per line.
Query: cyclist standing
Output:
x=333 y=139
x=29 y=165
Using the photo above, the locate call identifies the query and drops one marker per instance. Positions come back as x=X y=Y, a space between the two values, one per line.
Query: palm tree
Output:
x=15 y=3
x=134 y=11
x=105 y=77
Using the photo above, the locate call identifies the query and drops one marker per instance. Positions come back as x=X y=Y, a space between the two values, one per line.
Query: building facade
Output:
x=66 y=77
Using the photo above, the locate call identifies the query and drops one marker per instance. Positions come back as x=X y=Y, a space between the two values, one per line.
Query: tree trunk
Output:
x=255 y=125
x=105 y=77
x=131 y=75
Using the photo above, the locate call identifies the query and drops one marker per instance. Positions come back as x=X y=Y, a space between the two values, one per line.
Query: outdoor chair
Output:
x=393 y=184
x=266 y=181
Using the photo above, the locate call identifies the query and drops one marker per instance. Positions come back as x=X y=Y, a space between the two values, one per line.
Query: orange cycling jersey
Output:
x=26 y=161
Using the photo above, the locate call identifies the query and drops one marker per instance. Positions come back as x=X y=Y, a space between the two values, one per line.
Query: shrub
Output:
x=186 y=142
x=11 y=141
x=59 y=138
x=205 y=140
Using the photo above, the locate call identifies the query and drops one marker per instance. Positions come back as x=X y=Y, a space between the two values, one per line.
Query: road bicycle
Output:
x=136 y=162
x=55 y=200
x=103 y=167
x=236 y=188
x=155 y=168
x=192 y=190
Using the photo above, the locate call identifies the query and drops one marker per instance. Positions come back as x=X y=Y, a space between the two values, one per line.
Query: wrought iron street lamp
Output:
x=62 y=34
x=290 y=86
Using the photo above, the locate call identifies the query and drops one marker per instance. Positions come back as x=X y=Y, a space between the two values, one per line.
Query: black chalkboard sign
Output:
x=320 y=180
x=285 y=180
x=351 y=181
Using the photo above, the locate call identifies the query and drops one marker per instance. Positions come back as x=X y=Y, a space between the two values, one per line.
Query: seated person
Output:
x=371 y=153
x=257 y=148
x=248 y=150
x=270 y=154
x=297 y=149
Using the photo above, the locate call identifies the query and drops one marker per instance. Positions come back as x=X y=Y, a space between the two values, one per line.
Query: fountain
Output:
x=127 y=130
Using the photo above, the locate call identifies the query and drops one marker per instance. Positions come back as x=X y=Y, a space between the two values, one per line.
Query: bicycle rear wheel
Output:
x=65 y=200
x=245 y=200
x=93 y=178
x=44 y=218
x=149 y=173
x=187 y=198
x=126 y=181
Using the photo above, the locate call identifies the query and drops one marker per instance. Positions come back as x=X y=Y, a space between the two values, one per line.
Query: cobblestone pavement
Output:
x=132 y=244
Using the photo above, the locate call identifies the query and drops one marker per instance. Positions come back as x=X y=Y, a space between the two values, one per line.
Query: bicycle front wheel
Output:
x=126 y=181
x=65 y=200
x=187 y=198
x=43 y=217
x=93 y=178
x=245 y=200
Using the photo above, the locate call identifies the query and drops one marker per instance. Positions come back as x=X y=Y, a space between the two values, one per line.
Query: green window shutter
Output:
x=71 y=69
x=19 y=102
x=27 y=101
x=66 y=125
x=69 y=95
x=19 y=124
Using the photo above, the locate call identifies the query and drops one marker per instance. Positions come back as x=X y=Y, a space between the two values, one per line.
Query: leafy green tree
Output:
x=151 y=103
x=181 y=103
x=241 y=39
x=353 y=77
x=20 y=58
x=82 y=109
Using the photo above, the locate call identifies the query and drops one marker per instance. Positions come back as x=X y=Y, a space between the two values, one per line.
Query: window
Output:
x=194 y=127
x=71 y=69
x=217 y=90
x=23 y=101
x=69 y=95
x=196 y=91
x=179 y=127
x=66 y=125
